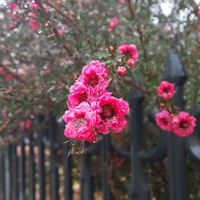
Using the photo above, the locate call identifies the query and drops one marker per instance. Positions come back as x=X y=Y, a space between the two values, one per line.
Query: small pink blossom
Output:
x=197 y=12
x=34 y=25
x=12 y=6
x=163 y=120
x=113 y=112
x=79 y=93
x=123 y=49
x=166 y=90
x=129 y=49
x=34 y=6
x=81 y=122
x=2 y=71
x=183 y=124
x=121 y=71
x=8 y=77
x=122 y=1
x=114 y=22
x=131 y=63
x=94 y=74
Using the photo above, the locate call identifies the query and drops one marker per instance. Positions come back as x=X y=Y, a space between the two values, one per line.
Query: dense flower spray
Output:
x=93 y=110
x=181 y=124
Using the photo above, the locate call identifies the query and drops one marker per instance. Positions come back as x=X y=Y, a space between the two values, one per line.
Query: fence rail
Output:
x=37 y=165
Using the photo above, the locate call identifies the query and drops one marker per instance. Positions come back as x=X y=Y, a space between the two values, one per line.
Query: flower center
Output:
x=166 y=89
x=183 y=125
x=108 y=112
x=165 y=120
x=93 y=81
x=83 y=97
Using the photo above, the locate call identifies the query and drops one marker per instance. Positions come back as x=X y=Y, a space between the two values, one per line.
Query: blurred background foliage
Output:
x=40 y=59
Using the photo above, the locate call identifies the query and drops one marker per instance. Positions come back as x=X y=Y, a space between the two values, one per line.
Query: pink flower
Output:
x=166 y=90
x=129 y=49
x=94 y=74
x=81 y=123
x=113 y=112
x=123 y=49
x=12 y=6
x=34 y=25
x=79 y=93
x=121 y=71
x=163 y=120
x=114 y=22
x=8 y=77
x=122 y=1
x=133 y=51
x=34 y=6
x=197 y=12
x=131 y=63
x=183 y=124
x=2 y=71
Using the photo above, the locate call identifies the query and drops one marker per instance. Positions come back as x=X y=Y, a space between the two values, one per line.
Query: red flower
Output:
x=183 y=124
x=113 y=111
x=94 y=74
x=81 y=123
x=163 y=120
x=166 y=90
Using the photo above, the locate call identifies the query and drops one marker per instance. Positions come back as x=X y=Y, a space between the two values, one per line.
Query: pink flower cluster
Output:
x=93 y=111
x=129 y=50
x=181 y=124
x=114 y=22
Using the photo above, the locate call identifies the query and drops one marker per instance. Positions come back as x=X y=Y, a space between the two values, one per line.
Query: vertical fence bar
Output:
x=8 y=172
x=31 y=170
x=53 y=164
x=139 y=188
x=41 y=168
x=67 y=173
x=2 y=180
x=15 y=194
x=105 y=145
x=175 y=73
x=87 y=187
x=22 y=171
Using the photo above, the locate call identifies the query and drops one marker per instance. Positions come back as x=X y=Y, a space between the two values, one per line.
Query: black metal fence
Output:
x=37 y=166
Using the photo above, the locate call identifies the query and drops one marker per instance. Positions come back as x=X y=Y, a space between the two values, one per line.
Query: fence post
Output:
x=175 y=73
x=68 y=173
x=105 y=148
x=87 y=192
x=2 y=176
x=139 y=188
x=15 y=194
x=22 y=171
x=52 y=129
x=31 y=169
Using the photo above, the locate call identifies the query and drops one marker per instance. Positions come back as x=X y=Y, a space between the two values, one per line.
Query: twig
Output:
x=131 y=9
